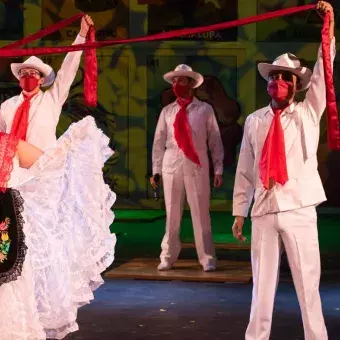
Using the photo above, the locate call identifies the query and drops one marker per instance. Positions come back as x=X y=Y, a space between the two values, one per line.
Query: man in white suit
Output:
x=34 y=113
x=278 y=167
x=185 y=128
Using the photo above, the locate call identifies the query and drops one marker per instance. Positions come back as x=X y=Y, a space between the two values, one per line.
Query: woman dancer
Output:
x=55 y=238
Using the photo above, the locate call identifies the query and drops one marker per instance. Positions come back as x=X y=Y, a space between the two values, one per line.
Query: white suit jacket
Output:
x=168 y=157
x=46 y=106
x=301 y=125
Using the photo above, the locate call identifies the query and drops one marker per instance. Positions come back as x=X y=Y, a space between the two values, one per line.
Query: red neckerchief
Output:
x=273 y=163
x=182 y=131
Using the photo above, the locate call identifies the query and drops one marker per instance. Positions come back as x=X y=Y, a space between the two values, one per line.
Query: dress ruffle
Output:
x=13 y=247
x=67 y=213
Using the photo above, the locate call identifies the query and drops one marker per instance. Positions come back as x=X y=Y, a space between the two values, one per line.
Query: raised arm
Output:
x=68 y=70
x=244 y=186
x=315 y=102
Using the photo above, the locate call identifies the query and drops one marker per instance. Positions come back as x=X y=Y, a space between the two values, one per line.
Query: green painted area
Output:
x=149 y=234
x=138 y=216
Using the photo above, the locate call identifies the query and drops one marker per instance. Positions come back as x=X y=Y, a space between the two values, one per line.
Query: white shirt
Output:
x=46 y=106
x=301 y=125
x=167 y=156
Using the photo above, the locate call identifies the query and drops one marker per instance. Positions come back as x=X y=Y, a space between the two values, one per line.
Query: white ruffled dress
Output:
x=67 y=217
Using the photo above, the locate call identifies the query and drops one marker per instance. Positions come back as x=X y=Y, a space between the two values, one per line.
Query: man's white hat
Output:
x=287 y=62
x=37 y=64
x=184 y=71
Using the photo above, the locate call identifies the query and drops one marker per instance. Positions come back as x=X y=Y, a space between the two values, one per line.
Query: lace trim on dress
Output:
x=15 y=270
x=8 y=149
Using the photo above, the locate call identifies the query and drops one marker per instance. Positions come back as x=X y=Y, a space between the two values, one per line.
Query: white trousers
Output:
x=296 y=230
x=197 y=189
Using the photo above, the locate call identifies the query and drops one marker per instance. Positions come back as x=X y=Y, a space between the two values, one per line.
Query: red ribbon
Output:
x=333 y=133
x=44 y=32
x=153 y=37
x=91 y=72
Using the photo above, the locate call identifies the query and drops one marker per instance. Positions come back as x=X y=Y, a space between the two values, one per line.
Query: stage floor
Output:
x=183 y=270
x=139 y=236
x=173 y=310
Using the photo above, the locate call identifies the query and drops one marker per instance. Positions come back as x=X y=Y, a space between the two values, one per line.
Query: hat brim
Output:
x=45 y=70
x=198 y=78
x=303 y=73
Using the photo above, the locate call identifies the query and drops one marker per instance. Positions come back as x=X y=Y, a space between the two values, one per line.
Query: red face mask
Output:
x=279 y=89
x=29 y=83
x=181 y=91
